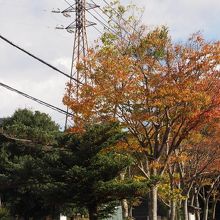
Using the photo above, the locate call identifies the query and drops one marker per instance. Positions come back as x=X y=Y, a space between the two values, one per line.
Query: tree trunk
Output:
x=130 y=212
x=124 y=205
x=214 y=209
x=153 y=203
x=206 y=210
x=93 y=212
x=198 y=206
x=124 y=202
x=185 y=210
x=173 y=210
x=178 y=215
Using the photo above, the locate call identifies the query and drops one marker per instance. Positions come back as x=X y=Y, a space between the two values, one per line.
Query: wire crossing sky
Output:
x=35 y=99
x=32 y=25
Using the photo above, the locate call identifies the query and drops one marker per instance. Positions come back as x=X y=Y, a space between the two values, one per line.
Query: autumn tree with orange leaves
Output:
x=158 y=90
x=194 y=164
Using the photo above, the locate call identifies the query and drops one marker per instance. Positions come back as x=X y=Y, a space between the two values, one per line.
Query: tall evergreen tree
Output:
x=23 y=146
x=90 y=170
x=79 y=172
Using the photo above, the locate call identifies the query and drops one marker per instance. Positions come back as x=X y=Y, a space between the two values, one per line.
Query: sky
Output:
x=31 y=25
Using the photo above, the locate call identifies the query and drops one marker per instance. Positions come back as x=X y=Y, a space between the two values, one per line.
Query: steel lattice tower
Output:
x=80 y=44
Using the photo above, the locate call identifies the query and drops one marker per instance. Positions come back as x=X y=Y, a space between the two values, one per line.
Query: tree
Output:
x=80 y=172
x=21 y=173
x=90 y=169
x=22 y=165
x=202 y=154
x=158 y=90
x=35 y=126
x=189 y=170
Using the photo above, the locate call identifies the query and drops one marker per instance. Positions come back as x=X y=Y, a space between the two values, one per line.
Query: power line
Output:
x=112 y=30
x=80 y=44
x=110 y=18
x=35 y=99
x=118 y=14
x=38 y=59
x=103 y=24
x=109 y=28
x=101 y=16
x=97 y=30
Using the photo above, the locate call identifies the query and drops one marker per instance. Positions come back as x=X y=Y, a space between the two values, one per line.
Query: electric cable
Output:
x=118 y=14
x=104 y=25
x=35 y=99
x=101 y=17
x=101 y=22
x=97 y=30
x=37 y=58
x=110 y=18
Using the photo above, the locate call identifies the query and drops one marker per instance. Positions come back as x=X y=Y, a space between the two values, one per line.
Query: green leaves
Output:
x=90 y=171
x=78 y=172
x=35 y=126
x=4 y=213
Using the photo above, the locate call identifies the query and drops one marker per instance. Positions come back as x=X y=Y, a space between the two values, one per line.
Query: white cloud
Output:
x=184 y=17
x=63 y=62
x=31 y=25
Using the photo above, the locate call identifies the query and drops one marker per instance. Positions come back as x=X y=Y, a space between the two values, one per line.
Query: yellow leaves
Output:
x=169 y=189
x=180 y=158
x=167 y=193
x=156 y=165
x=128 y=146
x=195 y=138
x=139 y=178
x=131 y=146
x=158 y=83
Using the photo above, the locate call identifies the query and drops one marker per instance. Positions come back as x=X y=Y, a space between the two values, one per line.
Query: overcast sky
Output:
x=30 y=24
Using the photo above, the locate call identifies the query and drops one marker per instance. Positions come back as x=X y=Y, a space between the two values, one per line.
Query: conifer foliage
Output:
x=78 y=173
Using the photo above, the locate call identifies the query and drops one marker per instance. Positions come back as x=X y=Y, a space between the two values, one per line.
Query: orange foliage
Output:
x=158 y=90
x=202 y=151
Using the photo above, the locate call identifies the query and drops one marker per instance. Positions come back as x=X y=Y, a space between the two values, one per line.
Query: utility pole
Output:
x=80 y=45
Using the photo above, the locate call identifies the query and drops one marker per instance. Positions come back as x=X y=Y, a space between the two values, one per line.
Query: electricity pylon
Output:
x=80 y=45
